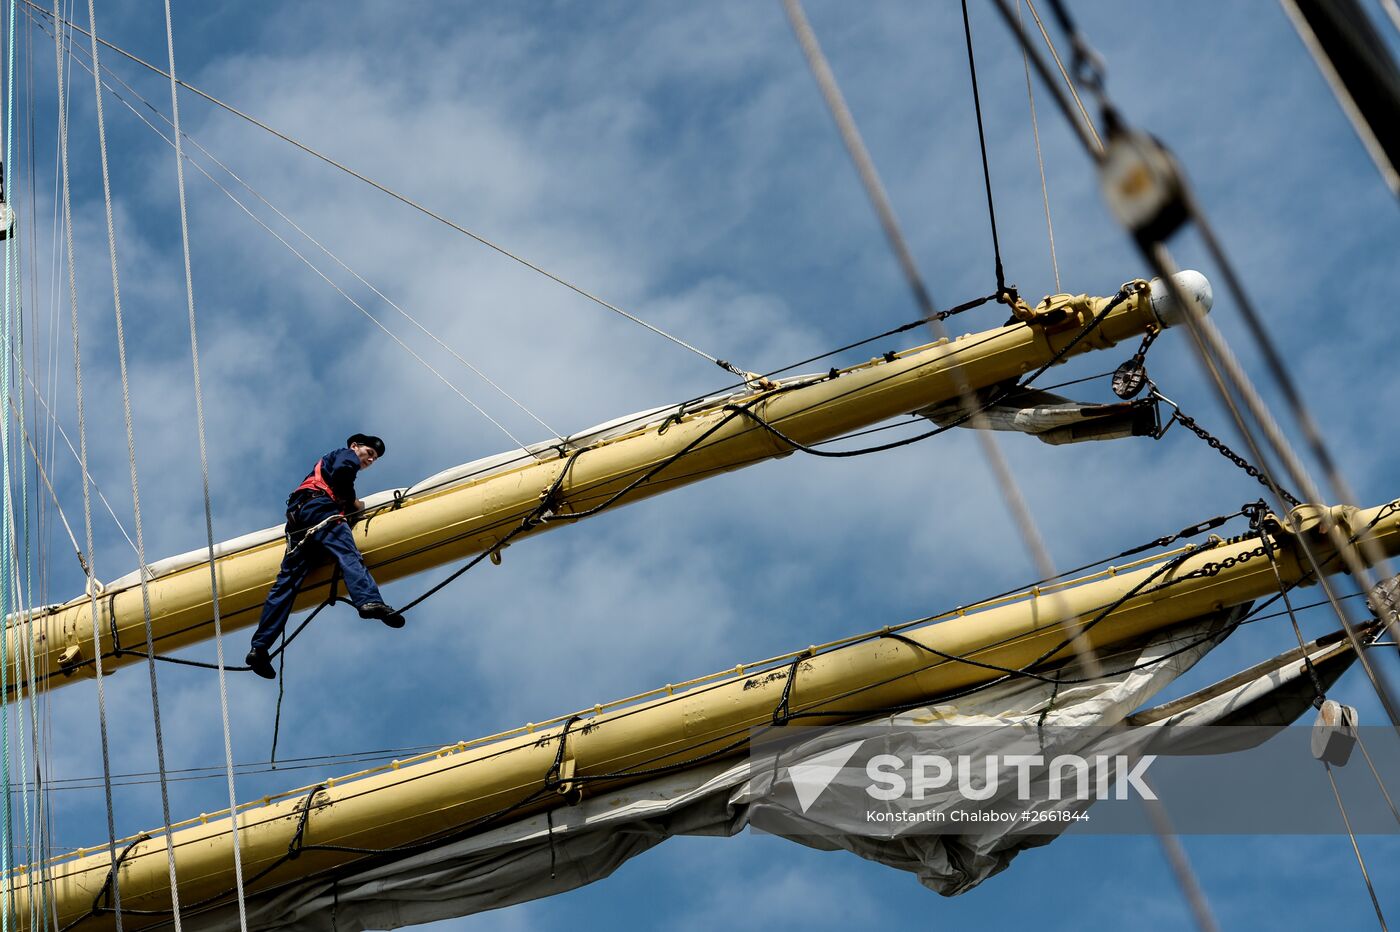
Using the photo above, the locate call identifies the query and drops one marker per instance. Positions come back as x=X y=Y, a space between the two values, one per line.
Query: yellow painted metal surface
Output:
x=463 y=784
x=451 y=523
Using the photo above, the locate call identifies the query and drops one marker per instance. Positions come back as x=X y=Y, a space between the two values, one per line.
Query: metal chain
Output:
x=1215 y=568
x=1216 y=443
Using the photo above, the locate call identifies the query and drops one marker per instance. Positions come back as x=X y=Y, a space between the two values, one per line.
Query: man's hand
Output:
x=359 y=504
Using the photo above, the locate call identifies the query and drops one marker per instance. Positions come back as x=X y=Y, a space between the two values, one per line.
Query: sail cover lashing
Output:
x=551 y=853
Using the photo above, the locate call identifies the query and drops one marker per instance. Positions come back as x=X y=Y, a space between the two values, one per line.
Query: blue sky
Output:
x=677 y=160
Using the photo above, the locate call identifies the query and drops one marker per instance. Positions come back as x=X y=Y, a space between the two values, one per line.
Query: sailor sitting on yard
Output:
x=317 y=532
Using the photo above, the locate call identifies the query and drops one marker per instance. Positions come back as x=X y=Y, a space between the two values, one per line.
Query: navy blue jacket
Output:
x=338 y=468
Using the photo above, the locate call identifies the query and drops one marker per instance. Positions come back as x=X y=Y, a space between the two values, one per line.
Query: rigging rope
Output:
x=1002 y=290
x=208 y=508
x=403 y=199
x=82 y=446
x=1356 y=849
x=1039 y=158
x=1088 y=123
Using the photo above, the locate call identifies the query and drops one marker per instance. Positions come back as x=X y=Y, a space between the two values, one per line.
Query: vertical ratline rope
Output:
x=204 y=475
x=67 y=200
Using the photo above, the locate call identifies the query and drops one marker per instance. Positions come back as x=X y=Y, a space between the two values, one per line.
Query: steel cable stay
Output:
x=55 y=17
x=40 y=842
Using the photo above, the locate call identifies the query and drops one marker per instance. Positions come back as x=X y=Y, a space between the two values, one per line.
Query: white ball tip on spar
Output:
x=1193 y=284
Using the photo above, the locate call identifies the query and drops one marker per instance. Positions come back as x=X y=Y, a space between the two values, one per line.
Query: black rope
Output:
x=996 y=396
x=1002 y=291
x=299 y=845
x=281 y=686
x=298 y=842
x=107 y=885
x=1022 y=671
x=399 y=498
x=781 y=712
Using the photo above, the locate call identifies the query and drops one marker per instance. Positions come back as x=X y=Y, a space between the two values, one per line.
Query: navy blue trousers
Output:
x=332 y=542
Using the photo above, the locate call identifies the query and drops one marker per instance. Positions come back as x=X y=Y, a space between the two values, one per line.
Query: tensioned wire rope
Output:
x=1039 y=157
x=82 y=447
x=875 y=191
x=9 y=597
x=20 y=586
x=402 y=198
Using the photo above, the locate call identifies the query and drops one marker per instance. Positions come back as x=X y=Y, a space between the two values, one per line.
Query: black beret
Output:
x=373 y=443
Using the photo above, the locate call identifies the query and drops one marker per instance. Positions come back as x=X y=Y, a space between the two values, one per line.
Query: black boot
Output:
x=260 y=663
x=383 y=613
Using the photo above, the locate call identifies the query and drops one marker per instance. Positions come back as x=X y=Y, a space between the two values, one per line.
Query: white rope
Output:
x=204 y=475
x=63 y=434
x=1074 y=92
x=82 y=446
x=41 y=724
x=1039 y=159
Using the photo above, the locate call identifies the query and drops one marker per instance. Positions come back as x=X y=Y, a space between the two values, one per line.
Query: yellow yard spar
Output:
x=429 y=799
x=438 y=523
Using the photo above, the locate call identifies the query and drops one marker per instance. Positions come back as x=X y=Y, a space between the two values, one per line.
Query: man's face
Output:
x=365 y=453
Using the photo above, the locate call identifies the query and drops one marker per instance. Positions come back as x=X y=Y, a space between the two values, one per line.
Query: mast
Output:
x=401 y=535
x=457 y=786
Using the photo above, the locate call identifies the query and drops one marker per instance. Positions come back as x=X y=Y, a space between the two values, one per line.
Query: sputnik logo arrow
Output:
x=811 y=777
